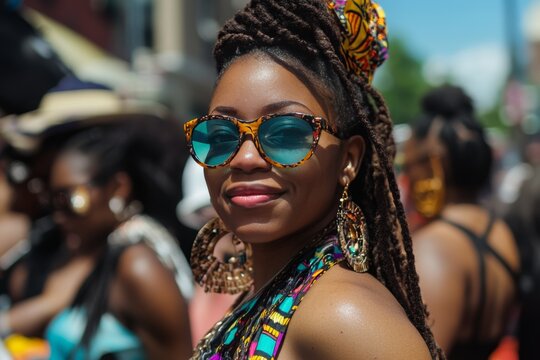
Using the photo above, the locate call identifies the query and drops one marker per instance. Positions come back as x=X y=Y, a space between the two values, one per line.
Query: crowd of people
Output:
x=272 y=227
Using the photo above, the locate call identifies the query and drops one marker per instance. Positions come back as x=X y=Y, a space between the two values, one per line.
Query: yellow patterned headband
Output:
x=364 y=43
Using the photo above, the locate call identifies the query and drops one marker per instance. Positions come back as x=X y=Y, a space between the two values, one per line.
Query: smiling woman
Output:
x=297 y=154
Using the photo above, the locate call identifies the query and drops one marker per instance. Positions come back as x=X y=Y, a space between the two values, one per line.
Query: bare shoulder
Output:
x=147 y=297
x=352 y=316
x=146 y=294
x=138 y=263
x=140 y=276
x=443 y=247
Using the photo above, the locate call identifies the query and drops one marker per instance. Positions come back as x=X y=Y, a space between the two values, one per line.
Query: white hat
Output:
x=195 y=198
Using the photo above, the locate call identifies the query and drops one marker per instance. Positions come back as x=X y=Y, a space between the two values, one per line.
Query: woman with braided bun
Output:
x=297 y=152
x=466 y=256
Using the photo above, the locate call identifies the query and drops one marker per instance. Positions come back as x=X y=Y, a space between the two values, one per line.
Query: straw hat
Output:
x=72 y=104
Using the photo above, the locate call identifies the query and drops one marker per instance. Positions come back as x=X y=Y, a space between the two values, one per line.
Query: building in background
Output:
x=532 y=33
x=531 y=121
x=167 y=43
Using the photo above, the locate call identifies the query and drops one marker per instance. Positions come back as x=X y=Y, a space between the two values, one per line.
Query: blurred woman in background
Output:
x=14 y=227
x=26 y=266
x=466 y=257
x=126 y=282
x=523 y=217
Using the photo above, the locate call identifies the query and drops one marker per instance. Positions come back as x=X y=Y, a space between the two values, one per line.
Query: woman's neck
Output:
x=270 y=258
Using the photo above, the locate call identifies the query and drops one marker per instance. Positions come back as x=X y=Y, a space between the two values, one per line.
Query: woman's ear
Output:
x=123 y=186
x=353 y=153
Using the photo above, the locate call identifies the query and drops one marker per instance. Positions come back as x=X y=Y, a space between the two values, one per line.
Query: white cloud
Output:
x=481 y=71
x=531 y=26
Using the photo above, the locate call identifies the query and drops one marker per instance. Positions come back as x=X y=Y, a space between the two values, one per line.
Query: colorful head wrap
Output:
x=364 y=43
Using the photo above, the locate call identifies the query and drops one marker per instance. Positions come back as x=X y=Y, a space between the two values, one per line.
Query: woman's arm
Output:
x=30 y=317
x=149 y=299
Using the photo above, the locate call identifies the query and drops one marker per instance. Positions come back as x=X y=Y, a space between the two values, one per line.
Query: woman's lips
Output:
x=249 y=197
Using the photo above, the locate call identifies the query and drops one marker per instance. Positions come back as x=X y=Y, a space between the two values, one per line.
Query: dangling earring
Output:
x=231 y=277
x=429 y=193
x=117 y=206
x=352 y=233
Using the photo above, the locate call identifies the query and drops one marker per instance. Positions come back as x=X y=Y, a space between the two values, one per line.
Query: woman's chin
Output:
x=73 y=242
x=257 y=233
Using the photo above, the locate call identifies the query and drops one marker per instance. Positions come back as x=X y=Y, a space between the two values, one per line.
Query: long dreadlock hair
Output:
x=304 y=37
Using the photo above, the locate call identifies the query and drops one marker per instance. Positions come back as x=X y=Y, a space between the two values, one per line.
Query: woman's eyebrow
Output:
x=225 y=110
x=277 y=106
x=267 y=109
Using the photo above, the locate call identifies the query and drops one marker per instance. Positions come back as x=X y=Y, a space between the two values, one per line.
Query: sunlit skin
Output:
x=279 y=211
x=287 y=206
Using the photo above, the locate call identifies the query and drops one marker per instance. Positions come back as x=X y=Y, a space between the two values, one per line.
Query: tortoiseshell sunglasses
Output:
x=283 y=140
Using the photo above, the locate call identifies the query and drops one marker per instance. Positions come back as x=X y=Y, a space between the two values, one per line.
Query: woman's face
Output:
x=92 y=220
x=416 y=163
x=423 y=168
x=257 y=201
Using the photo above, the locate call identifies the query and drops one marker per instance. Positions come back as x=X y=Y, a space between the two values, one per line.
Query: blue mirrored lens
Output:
x=214 y=141
x=286 y=139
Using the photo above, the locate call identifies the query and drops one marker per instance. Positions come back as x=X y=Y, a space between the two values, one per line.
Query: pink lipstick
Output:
x=252 y=196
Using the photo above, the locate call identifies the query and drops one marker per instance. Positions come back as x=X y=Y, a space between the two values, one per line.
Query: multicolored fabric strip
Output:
x=257 y=328
x=364 y=43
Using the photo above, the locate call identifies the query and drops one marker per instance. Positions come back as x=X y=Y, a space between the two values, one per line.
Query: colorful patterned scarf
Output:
x=364 y=43
x=255 y=330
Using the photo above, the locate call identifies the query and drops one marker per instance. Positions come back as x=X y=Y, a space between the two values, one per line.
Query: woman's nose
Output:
x=248 y=159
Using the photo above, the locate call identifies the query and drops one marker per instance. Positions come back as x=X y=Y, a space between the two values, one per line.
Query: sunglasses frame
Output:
x=252 y=127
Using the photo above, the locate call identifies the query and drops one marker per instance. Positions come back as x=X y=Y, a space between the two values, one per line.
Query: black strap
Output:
x=482 y=247
x=94 y=293
x=513 y=274
x=482 y=244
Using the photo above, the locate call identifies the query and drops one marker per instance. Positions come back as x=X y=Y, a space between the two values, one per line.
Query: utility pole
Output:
x=512 y=30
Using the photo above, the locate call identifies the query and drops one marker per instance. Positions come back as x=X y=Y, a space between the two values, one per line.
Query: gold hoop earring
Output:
x=352 y=233
x=233 y=276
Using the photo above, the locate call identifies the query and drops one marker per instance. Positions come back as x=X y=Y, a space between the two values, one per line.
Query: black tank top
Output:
x=476 y=348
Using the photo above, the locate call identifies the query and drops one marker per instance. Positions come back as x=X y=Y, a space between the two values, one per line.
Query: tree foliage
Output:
x=402 y=83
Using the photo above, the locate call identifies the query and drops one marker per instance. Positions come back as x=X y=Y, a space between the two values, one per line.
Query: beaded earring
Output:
x=231 y=276
x=352 y=233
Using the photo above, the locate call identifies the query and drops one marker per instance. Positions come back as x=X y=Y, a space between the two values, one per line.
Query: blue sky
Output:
x=465 y=40
x=444 y=27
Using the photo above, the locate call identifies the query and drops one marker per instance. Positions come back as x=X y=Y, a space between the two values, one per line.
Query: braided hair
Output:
x=304 y=37
x=470 y=156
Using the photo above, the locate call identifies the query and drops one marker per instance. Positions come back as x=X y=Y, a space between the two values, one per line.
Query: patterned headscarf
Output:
x=364 y=43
